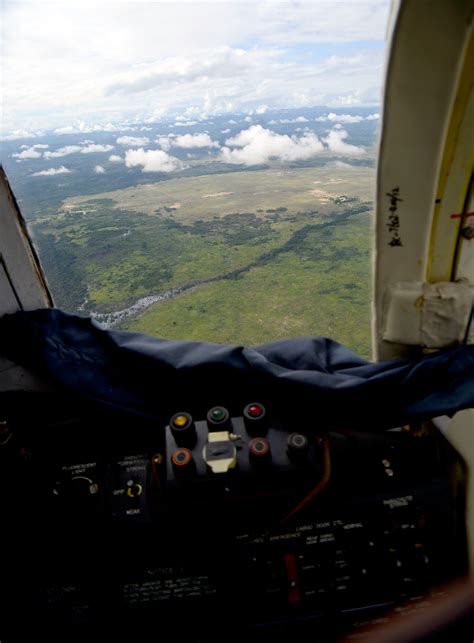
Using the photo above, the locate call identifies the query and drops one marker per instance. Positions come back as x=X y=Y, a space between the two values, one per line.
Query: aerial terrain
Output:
x=242 y=228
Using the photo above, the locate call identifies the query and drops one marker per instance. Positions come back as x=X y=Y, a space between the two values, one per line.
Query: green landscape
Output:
x=242 y=257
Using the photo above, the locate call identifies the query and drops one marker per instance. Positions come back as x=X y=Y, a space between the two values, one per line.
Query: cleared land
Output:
x=203 y=197
x=286 y=252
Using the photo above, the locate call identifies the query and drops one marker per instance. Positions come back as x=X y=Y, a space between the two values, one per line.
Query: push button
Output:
x=183 y=429
x=255 y=418
x=218 y=418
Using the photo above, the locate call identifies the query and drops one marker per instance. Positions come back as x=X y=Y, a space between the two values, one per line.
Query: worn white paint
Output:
x=429 y=44
x=425 y=161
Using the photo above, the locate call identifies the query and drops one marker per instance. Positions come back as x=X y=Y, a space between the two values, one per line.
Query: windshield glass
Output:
x=199 y=170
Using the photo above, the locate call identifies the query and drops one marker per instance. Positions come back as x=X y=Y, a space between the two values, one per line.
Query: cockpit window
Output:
x=199 y=170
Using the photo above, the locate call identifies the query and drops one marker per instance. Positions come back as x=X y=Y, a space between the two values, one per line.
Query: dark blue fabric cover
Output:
x=316 y=377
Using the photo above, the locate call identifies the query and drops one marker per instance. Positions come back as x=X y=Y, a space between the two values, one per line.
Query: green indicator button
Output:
x=218 y=414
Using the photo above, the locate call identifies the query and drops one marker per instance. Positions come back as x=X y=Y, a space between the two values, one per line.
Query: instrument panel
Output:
x=230 y=520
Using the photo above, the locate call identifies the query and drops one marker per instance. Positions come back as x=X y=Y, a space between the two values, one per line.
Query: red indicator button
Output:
x=255 y=410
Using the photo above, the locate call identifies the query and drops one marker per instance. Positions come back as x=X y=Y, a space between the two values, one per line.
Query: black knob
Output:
x=218 y=418
x=255 y=418
x=298 y=446
x=260 y=451
x=183 y=429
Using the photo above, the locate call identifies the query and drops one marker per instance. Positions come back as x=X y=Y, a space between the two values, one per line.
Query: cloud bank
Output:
x=94 y=149
x=194 y=140
x=133 y=141
x=63 y=151
x=258 y=145
x=28 y=153
x=335 y=143
x=152 y=160
x=52 y=171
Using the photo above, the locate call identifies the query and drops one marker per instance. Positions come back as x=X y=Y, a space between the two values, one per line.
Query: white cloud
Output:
x=335 y=143
x=114 y=158
x=247 y=119
x=28 y=153
x=373 y=117
x=340 y=118
x=99 y=169
x=63 y=151
x=186 y=124
x=18 y=134
x=133 y=140
x=344 y=118
x=82 y=128
x=216 y=63
x=75 y=149
x=225 y=131
x=152 y=160
x=298 y=119
x=162 y=59
x=232 y=122
x=164 y=142
x=93 y=149
x=259 y=145
x=341 y=164
x=194 y=140
x=52 y=171
x=261 y=109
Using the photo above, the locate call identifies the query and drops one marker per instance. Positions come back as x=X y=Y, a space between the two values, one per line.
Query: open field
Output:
x=202 y=197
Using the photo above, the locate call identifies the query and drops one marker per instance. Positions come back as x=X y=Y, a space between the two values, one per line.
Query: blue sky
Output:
x=103 y=61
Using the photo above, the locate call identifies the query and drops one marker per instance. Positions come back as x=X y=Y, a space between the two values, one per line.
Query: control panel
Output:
x=129 y=522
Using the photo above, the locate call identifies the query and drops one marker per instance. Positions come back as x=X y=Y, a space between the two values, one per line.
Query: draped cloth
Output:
x=314 y=379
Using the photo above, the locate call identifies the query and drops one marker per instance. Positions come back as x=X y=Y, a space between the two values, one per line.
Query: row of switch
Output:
x=340 y=580
x=259 y=450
